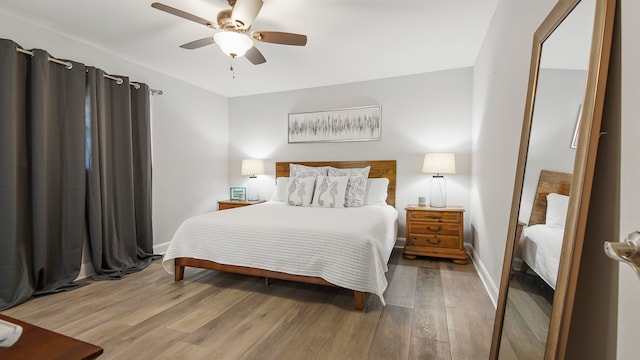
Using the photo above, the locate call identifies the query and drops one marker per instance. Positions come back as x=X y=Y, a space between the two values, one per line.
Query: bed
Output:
x=345 y=247
x=541 y=241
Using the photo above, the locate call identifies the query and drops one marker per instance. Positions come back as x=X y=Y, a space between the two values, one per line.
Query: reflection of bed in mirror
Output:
x=541 y=241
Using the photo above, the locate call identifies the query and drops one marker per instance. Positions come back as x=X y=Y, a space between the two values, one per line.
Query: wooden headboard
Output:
x=379 y=169
x=549 y=182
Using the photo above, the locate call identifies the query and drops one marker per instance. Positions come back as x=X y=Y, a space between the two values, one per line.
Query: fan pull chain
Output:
x=233 y=73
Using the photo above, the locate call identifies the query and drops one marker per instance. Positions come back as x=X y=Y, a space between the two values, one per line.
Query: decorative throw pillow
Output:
x=557 y=206
x=376 y=193
x=330 y=191
x=297 y=170
x=357 y=185
x=300 y=190
x=280 y=192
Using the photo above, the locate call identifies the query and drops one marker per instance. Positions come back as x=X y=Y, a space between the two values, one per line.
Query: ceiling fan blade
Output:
x=183 y=14
x=244 y=12
x=255 y=56
x=198 y=43
x=277 y=37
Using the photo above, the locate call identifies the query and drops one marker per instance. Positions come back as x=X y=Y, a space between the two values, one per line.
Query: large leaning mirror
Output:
x=560 y=134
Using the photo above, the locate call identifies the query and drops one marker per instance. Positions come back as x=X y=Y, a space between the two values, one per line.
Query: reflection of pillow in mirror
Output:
x=557 y=205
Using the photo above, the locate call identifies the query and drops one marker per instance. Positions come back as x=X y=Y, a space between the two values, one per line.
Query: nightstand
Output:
x=230 y=204
x=435 y=232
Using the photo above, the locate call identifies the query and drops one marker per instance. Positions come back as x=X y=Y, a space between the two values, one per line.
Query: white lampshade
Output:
x=252 y=167
x=232 y=43
x=439 y=163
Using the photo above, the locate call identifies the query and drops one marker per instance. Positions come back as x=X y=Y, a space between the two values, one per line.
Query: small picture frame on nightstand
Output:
x=238 y=193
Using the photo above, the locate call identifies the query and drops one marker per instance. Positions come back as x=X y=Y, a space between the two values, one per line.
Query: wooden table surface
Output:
x=39 y=343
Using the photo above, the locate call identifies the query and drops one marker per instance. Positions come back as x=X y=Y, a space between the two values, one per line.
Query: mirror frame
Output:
x=584 y=164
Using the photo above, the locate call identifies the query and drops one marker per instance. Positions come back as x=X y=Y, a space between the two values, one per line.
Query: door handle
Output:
x=627 y=251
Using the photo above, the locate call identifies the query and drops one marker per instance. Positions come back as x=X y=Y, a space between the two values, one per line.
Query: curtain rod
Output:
x=119 y=81
x=66 y=64
x=69 y=66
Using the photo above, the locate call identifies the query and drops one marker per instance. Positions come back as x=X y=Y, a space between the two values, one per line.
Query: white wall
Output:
x=499 y=91
x=190 y=149
x=189 y=129
x=420 y=113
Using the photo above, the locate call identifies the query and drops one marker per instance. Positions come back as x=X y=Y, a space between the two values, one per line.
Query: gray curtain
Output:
x=118 y=176
x=42 y=174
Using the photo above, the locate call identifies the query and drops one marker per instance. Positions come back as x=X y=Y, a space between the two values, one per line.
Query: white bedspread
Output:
x=348 y=247
x=540 y=249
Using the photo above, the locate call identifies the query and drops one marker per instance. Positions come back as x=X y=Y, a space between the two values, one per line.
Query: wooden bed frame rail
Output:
x=180 y=264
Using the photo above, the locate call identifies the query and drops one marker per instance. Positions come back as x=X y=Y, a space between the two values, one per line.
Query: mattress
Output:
x=348 y=247
x=540 y=249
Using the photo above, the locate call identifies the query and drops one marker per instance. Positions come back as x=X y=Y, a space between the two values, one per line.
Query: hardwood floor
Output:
x=435 y=310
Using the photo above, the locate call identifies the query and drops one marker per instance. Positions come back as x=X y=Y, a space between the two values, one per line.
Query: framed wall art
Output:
x=351 y=124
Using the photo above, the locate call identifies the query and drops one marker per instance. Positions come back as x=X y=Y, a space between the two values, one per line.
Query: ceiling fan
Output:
x=234 y=35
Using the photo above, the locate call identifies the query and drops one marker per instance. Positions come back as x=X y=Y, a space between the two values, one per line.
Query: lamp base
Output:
x=253 y=188
x=438 y=191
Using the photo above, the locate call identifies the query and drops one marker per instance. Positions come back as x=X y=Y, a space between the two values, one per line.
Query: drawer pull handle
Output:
x=436 y=242
x=434 y=230
x=433 y=217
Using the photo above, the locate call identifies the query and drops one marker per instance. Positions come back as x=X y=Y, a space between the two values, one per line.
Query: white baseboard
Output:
x=86 y=270
x=487 y=282
x=161 y=248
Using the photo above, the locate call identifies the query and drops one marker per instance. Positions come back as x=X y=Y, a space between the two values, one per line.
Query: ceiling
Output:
x=348 y=40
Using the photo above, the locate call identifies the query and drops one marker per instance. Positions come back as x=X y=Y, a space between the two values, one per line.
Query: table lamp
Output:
x=253 y=167
x=439 y=163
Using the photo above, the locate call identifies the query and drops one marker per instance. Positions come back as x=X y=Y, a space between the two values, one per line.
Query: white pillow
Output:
x=297 y=170
x=356 y=191
x=357 y=184
x=376 y=193
x=353 y=171
x=300 y=190
x=330 y=191
x=280 y=192
x=557 y=206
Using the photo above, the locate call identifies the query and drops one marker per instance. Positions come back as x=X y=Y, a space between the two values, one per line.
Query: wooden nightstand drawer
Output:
x=441 y=216
x=231 y=204
x=439 y=241
x=435 y=232
x=435 y=228
x=225 y=206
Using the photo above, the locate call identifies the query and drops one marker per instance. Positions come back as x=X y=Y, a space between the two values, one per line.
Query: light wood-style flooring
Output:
x=435 y=310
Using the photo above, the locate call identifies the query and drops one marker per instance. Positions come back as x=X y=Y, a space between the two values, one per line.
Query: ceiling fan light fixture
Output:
x=232 y=43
